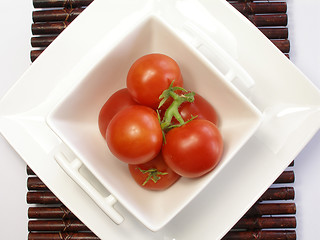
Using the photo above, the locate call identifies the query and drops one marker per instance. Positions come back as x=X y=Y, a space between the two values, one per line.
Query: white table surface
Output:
x=15 y=22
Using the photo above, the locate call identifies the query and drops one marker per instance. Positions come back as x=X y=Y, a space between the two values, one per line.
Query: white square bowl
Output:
x=75 y=119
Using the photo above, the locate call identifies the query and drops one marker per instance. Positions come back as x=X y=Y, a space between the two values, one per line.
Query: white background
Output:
x=15 y=22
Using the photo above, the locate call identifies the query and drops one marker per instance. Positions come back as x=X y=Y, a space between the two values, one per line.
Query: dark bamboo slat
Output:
x=282 y=193
x=62 y=236
x=63 y=225
x=48 y=28
x=260 y=7
x=50 y=212
x=268 y=19
x=261 y=235
x=29 y=171
x=260 y=209
x=266 y=222
x=275 y=33
x=286 y=177
x=34 y=54
x=60 y=3
x=282 y=44
x=42 y=197
x=56 y=15
x=43 y=41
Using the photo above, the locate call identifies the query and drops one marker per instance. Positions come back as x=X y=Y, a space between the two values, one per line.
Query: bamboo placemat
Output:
x=271 y=217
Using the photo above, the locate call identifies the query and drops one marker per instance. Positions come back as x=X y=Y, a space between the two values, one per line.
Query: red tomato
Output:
x=200 y=107
x=118 y=101
x=150 y=75
x=134 y=134
x=193 y=149
x=153 y=175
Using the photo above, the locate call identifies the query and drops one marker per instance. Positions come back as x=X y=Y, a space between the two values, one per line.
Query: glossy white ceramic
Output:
x=258 y=164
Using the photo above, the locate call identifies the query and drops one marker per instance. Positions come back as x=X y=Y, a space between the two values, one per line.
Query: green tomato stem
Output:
x=153 y=174
x=172 y=110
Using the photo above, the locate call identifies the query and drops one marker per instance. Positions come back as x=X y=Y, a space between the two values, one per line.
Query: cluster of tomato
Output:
x=158 y=128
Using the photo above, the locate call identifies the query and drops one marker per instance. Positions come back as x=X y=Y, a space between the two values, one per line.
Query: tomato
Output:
x=193 y=149
x=118 y=101
x=153 y=175
x=150 y=75
x=134 y=135
x=200 y=107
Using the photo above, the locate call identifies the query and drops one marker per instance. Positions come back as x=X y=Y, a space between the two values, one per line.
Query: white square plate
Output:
x=288 y=100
